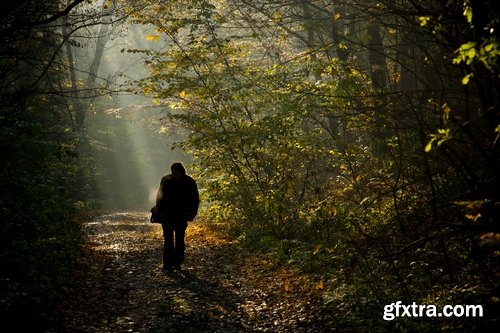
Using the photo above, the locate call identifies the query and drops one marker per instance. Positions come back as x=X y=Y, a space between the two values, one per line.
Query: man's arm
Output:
x=159 y=194
x=194 y=200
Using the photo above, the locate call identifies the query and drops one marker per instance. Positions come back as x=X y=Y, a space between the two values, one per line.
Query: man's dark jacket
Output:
x=177 y=199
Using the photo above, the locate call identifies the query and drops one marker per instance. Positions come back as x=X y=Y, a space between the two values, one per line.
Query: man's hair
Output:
x=177 y=166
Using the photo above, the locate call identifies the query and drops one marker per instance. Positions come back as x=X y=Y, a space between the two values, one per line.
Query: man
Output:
x=177 y=203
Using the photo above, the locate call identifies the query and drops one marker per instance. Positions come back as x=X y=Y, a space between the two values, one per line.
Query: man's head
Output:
x=178 y=169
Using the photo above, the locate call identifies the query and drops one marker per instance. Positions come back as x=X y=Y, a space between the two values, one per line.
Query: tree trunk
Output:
x=376 y=57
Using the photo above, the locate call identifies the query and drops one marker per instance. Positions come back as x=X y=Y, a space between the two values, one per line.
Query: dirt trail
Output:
x=223 y=287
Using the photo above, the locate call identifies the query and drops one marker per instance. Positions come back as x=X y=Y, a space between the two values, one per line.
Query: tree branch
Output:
x=58 y=15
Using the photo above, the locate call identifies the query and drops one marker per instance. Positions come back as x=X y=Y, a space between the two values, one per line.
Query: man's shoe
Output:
x=177 y=267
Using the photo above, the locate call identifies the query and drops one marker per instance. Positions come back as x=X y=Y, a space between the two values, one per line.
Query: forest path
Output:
x=223 y=287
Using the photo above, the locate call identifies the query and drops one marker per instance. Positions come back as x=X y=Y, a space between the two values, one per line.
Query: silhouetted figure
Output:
x=176 y=203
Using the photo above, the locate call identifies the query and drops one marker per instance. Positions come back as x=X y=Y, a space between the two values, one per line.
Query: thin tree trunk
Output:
x=72 y=74
x=89 y=87
x=377 y=58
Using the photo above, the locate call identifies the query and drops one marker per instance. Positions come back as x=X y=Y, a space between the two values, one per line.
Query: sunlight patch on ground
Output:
x=199 y=231
x=182 y=304
x=223 y=287
x=108 y=231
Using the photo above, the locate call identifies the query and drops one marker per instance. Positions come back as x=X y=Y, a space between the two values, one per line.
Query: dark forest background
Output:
x=358 y=140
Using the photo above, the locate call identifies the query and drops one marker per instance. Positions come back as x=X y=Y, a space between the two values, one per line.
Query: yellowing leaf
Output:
x=471 y=53
x=466 y=79
x=428 y=147
x=473 y=217
x=320 y=285
x=446 y=112
x=317 y=249
x=423 y=20
x=468 y=14
x=276 y=17
x=152 y=38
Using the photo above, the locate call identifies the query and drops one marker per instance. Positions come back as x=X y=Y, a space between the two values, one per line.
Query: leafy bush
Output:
x=345 y=140
x=40 y=240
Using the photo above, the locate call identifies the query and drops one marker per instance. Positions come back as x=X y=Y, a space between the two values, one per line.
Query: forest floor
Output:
x=120 y=285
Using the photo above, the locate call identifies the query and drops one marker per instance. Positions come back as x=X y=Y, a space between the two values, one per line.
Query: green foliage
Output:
x=326 y=162
x=40 y=240
x=438 y=139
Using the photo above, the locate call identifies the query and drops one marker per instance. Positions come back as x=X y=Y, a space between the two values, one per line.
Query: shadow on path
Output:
x=194 y=304
x=120 y=286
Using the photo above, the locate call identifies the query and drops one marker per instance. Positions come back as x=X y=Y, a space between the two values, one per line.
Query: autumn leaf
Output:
x=153 y=38
x=320 y=285
x=473 y=217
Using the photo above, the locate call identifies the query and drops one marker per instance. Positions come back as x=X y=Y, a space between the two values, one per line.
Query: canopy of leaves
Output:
x=345 y=125
x=353 y=139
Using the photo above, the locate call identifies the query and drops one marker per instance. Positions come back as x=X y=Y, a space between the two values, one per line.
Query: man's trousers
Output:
x=174 y=245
